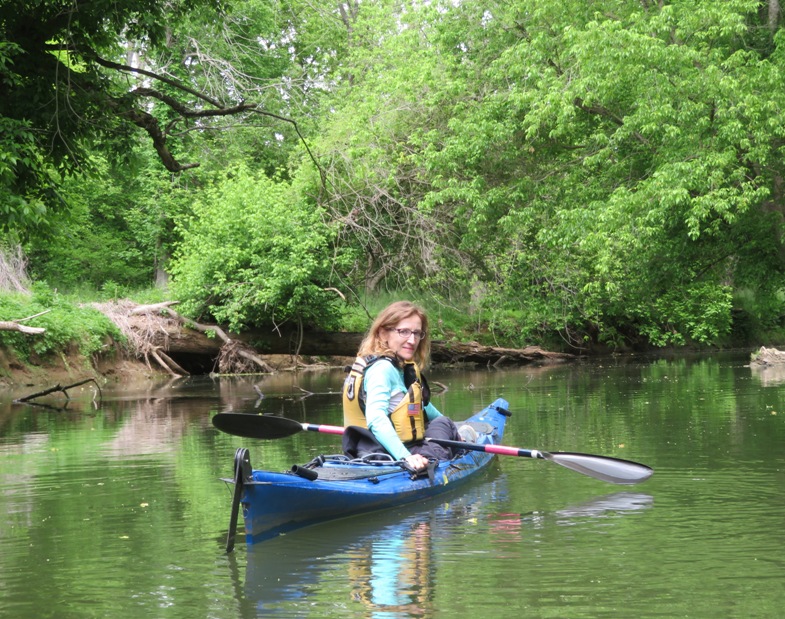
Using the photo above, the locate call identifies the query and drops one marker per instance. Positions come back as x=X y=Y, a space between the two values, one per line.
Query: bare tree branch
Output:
x=151 y=125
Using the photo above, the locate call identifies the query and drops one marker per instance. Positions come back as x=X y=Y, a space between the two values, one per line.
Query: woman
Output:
x=386 y=393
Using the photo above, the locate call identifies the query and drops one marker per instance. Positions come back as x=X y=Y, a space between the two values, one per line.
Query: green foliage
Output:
x=759 y=315
x=117 y=229
x=607 y=173
x=253 y=254
x=72 y=85
x=555 y=171
x=388 y=93
x=68 y=326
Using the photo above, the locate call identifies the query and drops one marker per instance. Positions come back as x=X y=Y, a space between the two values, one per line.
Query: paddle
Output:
x=612 y=470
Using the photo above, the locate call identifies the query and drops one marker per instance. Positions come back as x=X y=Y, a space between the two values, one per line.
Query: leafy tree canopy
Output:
x=77 y=76
x=597 y=169
x=591 y=170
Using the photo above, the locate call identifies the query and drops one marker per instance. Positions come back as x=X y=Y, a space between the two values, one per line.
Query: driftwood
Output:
x=155 y=337
x=332 y=344
x=13 y=325
x=473 y=352
x=56 y=388
x=768 y=356
x=149 y=309
x=768 y=366
x=230 y=349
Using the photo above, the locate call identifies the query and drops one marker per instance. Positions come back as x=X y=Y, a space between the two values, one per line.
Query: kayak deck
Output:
x=334 y=486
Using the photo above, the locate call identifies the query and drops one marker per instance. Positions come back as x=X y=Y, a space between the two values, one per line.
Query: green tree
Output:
x=253 y=254
x=610 y=171
x=118 y=230
x=389 y=90
x=78 y=77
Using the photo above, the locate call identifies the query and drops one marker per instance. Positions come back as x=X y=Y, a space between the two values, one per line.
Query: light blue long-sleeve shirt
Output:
x=384 y=389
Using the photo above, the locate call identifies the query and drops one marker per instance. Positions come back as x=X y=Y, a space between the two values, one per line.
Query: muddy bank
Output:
x=119 y=365
x=18 y=378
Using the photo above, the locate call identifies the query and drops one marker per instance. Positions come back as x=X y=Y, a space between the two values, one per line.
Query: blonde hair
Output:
x=374 y=344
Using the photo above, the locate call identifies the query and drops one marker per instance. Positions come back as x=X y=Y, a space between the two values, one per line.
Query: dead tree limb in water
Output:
x=57 y=388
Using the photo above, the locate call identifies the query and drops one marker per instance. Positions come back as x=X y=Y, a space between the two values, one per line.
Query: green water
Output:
x=115 y=508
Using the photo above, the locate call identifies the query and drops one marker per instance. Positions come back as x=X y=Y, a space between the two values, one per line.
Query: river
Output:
x=113 y=504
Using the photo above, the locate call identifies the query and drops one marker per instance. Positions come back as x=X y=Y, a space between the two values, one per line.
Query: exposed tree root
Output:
x=148 y=328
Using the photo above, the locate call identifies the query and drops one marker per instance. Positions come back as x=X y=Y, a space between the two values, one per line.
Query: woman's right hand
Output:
x=416 y=461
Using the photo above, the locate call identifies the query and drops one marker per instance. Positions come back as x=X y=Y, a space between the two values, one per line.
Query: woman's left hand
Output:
x=416 y=461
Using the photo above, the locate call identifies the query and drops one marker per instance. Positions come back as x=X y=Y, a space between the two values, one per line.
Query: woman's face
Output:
x=405 y=345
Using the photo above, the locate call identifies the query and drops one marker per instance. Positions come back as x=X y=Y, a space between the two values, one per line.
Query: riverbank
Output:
x=20 y=378
x=117 y=364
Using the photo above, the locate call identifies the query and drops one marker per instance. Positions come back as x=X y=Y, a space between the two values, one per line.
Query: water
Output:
x=115 y=508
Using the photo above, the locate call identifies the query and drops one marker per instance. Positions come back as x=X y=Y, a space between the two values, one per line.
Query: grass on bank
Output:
x=69 y=326
x=72 y=326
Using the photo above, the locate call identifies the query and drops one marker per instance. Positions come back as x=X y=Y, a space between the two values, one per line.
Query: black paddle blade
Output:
x=613 y=470
x=256 y=426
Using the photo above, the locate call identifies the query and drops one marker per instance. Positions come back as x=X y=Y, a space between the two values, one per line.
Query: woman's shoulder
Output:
x=382 y=366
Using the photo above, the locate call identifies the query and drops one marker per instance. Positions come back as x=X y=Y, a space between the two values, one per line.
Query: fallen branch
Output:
x=159 y=355
x=178 y=369
x=10 y=325
x=60 y=388
x=33 y=316
x=228 y=362
x=155 y=307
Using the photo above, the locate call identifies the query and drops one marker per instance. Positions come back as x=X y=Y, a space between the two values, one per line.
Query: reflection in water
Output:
x=154 y=416
x=769 y=375
x=387 y=563
x=394 y=573
x=117 y=535
x=387 y=557
x=510 y=528
x=608 y=505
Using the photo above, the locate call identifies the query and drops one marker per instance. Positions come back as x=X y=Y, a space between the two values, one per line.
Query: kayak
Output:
x=335 y=486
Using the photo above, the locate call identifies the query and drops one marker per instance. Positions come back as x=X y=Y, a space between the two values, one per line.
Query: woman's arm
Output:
x=432 y=412
x=382 y=380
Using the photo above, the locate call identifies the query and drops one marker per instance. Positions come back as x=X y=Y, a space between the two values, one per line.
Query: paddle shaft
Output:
x=314 y=427
x=491 y=449
x=612 y=470
x=500 y=450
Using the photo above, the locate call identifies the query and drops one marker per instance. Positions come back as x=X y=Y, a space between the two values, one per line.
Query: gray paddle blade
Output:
x=612 y=470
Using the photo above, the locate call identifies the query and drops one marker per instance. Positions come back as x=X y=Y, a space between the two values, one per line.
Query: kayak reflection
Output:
x=384 y=562
x=607 y=505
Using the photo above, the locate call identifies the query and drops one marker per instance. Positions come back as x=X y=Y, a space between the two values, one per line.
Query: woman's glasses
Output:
x=407 y=333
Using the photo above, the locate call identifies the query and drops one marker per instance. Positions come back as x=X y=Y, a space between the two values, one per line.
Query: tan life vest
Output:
x=409 y=416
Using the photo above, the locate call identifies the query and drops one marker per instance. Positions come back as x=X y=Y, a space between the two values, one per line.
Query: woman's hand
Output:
x=416 y=461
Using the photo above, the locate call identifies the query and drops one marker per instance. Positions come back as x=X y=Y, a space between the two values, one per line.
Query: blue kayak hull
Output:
x=274 y=503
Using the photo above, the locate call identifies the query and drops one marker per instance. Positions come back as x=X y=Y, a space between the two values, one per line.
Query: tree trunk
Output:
x=180 y=341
